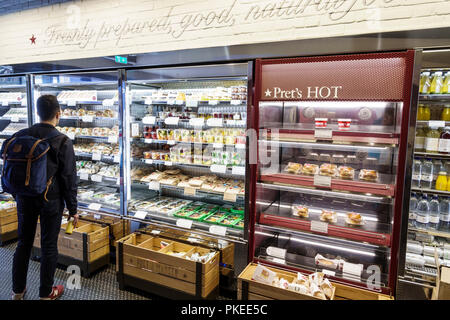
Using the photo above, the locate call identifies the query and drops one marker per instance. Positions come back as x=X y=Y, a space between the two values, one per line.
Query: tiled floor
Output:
x=101 y=286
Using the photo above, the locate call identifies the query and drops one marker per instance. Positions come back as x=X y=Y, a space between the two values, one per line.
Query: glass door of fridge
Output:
x=186 y=142
x=91 y=119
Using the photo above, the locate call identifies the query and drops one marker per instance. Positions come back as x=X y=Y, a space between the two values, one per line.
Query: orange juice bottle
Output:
x=441 y=181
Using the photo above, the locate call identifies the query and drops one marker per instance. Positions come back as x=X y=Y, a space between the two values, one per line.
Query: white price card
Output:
x=96 y=178
x=118 y=181
x=184 y=223
x=168 y=163
x=171 y=102
x=14 y=119
x=218 y=168
x=319 y=226
x=23 y=103
x=436 y=124
x=190 y=191
x=87 y=118
x=148 y=101
x=156 y=232
x=116 y=158
x=279 y=261
x=154 y=185
x=171 y=142
x=191 y=103
x=172 y=121
x=276 y=252
x=71 y=103
x=235 y=102
x=352 y=269
x=5 y=103
x=215 y=122
x=231 y=122
x=71 y=135
x=149 y=120
x=148 y=161
x=148 y=140
x=135 y=129
x=230 y=196
x=140 y=214
x=197 y=122
x=241 y=123
x=217 y=145
x=97 y=216
x=96 y=156
x=179 y=102
x=84 y=176
x=108 y=102
x=213 y=102
x=112 y=139
x=218 y=230
x=193 y=239
x=95 y=206
x=322 y=181
x=328 y=272
x=238 y=171
x=240 y=146
x=323 y=134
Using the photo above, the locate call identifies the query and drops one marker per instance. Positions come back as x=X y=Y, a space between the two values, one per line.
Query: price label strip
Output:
x=140 y=214
x=238 y=171
x=218 y=230
x=96 y=178
x=87 y=118
x=276 y=252
x=323 y=134
x=189 y=191
x=154 y=185
x=96 y=156
x=112 y=139
x=149 y=120
x=84 y=176
x=230 y=196
x=217 y=168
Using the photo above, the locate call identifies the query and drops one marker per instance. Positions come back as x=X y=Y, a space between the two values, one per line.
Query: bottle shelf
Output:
x=435 y=97
x=431 y=155
x=431 y=191
x=436 y=233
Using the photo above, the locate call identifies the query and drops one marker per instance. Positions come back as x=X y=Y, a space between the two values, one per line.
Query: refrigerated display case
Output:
x=186 y=151
x=91 y=118
x=332 y=136
x=426 y=240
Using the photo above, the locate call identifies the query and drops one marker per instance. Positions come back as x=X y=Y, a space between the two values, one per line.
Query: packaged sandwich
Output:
x=328 y=169
x=294 y=168
x=347 y=173
x=300 y=211
x=354 y=219
x=368 y=175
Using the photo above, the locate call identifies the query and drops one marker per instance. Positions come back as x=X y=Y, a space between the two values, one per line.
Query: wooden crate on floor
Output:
x=249 y=289
x=87 y=246
x=143 y=264
x=118 y=228
x=8 y=225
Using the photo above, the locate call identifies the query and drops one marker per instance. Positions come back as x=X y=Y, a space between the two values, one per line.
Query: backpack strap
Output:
x=5 y=151
x=29 y=157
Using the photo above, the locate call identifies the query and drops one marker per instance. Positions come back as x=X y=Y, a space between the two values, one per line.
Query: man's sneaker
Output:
x=18 y=296
x=57 y=291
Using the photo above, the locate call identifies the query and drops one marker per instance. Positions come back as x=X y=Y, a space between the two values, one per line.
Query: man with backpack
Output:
x=40 y=172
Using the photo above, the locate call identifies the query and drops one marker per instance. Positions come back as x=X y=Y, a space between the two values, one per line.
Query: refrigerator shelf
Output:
x=337 y=136
x=435 y=97
x=431 y=191
x=384 y=189
x=436 y=233
x=431 y=155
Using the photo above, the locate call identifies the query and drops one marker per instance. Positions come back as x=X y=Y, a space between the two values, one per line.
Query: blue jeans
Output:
x=50 y=214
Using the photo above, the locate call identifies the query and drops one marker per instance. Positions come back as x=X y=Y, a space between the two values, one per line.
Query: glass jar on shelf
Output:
x=444 y=141
x=445 y=114
x=436 y=83
x=419 y=142
x=445 y=87
x=425 y=83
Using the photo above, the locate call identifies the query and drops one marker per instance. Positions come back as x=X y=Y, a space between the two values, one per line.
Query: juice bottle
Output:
x=420 y=113
x=426 y=113
x=446 y=85
x=445 y=115
x=444 y=141
x=425 y=83
x=436 y=83
x=419 y=142
x=432 y=140
x=448 y=183
x=441 y=181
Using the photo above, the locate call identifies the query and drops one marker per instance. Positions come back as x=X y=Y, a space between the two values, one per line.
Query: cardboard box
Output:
x=144 y=258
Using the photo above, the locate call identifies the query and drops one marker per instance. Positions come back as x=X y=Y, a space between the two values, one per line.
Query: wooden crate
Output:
x=118 y=228
x=8 y=225
x=87 y=246
x=140 y=256
x=344 y=292
x=249 y=289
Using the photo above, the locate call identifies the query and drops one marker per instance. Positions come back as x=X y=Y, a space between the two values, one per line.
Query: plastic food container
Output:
x=321 y=122
x=344 y=124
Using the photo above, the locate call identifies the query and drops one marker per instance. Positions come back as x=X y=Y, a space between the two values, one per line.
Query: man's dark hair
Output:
x=47 y=107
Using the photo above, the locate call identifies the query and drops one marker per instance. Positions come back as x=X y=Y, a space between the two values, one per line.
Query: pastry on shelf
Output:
x=328 y=263
x=310 y=169
x=368 y=175
x=328 y=216
x=293 y=167
x=354 y=219
x=328 y=169
x=300 y=211
x=347 y=173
